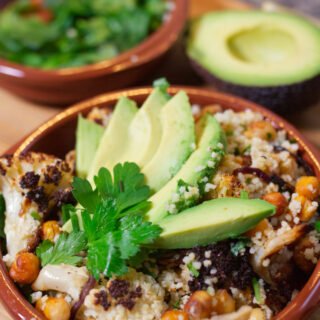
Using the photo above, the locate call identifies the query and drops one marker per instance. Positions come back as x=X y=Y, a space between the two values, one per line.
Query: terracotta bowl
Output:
x=70 y=85
x=57 y=136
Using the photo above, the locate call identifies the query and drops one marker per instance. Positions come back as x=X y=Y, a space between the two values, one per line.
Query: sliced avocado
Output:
x=145 y=130
x=178 y=136
x=115 y=137
x=88 y=136
x=200 y=165
x=259 y=55
x=212 y=221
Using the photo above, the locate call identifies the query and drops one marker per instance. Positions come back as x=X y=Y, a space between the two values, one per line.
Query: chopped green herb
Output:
x=65 y=250
x=238 y=246
x=176 y=304
x=317 y=226
x=257 y=290
x=193 y=270
x=2 y=216
x=269 y=136
x=162 y=84
x=248 y=180
x=36 y=216
x=247 y=149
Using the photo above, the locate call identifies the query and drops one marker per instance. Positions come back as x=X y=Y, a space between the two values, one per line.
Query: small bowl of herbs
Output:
x=64 y=51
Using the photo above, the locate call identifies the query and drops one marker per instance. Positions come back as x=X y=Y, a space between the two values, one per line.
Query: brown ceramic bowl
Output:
x=57 y=136
x=70 y=85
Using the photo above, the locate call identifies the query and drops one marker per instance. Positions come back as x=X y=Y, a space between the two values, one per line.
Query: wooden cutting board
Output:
x=18 y=117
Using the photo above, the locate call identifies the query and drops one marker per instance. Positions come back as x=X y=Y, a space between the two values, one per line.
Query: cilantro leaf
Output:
x=65 y=250
x=113 y=218
x=104 y=257
x=162 y=84
x=193 y=270
x=2 y=216
x=84 y=194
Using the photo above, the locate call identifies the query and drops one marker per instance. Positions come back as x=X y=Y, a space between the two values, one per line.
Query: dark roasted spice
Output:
x=52 y=175
x=119 y=288
x=30 y=180
x=38 y=196
x=101 y=298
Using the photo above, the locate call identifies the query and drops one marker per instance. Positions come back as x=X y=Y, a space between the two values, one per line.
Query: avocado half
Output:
x=270 y=58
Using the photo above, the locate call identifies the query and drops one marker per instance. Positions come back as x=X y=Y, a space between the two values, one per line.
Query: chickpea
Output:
x=223 y=302
x=257 y=314
x=278 y=200
x=308 y=186
x=263 y=226
x=261 y=129
x=25 y=268
x=50 y=230
x=308 y=210
x=57 y=309
x=175 y=315
x=199 y=305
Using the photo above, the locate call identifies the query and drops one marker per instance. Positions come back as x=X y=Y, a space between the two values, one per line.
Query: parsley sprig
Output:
x=114 y=227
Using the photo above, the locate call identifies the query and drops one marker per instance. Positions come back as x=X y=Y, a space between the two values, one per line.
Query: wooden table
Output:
x=19 y=117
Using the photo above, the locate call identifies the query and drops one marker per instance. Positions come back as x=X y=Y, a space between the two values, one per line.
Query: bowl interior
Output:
x=57 y=137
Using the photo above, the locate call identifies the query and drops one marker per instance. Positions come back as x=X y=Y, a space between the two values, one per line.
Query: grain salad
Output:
x=77 y=252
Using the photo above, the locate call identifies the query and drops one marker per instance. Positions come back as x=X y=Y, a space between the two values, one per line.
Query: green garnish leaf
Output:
x=67 y=211
x=36 y=216
x=317 y=226
x=193 y=270
x=65 y=250
x=113 y=218
x=162 y=84
x=256 y=290
x=238 y=246
x=2 y=216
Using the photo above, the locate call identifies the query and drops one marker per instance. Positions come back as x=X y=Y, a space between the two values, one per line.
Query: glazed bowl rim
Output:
x=155 y=45
x=305 y=300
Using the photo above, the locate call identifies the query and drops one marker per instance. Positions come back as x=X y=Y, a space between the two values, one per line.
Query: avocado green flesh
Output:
x=256 y=48
x=178 y=135
x=210 y=135
x=114 y=139
x=88 y=136
x=145 y=131
x=212 y=221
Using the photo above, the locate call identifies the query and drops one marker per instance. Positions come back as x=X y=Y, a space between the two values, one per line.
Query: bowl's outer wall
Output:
x=66 y=86
x=57 y=136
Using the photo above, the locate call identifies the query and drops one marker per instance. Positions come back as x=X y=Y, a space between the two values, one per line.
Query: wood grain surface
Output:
x=18 y=117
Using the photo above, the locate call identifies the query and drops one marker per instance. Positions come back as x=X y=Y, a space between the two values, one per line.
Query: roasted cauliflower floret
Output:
x=32 y=185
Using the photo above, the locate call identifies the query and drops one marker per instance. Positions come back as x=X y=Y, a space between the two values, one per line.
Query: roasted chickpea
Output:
x=278 y=200
x=223 y=302
x=175 y=315
x=308 y=186
x=261 y=129
x=25 y=268
x=308 y=210
x=257 y=314
x=57 y=309
x=199 y=305
x=50 y=230
x=263 y=226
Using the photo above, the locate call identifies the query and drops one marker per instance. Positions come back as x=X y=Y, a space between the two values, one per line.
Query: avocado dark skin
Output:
x=282 y=99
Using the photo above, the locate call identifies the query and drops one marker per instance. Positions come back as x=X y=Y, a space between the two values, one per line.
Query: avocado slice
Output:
x=114 y=139
x=88 y=136
x=145 y=131
x=199 y=166
x=271 y=58
x=212 y=221
x=178 y=136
